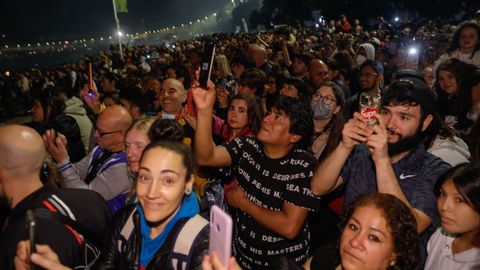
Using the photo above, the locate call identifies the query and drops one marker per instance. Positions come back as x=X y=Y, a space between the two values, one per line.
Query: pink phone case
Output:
x=220 y=234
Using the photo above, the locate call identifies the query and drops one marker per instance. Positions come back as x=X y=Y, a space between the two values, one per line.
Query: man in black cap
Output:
x=389 y=157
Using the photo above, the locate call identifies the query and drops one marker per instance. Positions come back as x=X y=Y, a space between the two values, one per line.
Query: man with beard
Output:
x=370 y=79
x=389 y=157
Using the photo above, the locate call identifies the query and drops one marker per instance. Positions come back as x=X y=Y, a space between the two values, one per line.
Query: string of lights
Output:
x=59 y=45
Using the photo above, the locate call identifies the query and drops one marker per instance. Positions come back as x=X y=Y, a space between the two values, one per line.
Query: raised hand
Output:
x=91 y=97
x=378 y=142
x=56 y=145
x=204 y=99
x=222 y=98
x=191 y=120
x=44 y=257
x=212 y=262
x=356 y=131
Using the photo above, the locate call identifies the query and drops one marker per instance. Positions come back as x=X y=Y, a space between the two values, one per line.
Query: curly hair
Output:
x=401 y=224
x=166 y=129
x=455 y=42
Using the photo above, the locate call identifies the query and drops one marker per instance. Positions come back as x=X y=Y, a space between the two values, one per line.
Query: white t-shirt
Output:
x=440 y=254
x=466 y=58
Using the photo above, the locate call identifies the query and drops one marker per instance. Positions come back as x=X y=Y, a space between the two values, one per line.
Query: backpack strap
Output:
x=80 y=228
x=183 y=243
x=127 y=230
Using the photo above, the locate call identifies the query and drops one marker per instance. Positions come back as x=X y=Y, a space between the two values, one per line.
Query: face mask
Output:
x=168 y=116
x=321 y=111
x=360 y=59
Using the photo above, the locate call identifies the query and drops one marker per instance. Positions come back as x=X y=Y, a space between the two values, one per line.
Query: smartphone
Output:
x=90 y=79
x=221 y=227
x=369 y=106
x=31 y=231
x=206 y=65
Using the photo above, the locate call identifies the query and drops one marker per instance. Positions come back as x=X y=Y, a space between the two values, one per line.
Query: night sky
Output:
x=44 y=20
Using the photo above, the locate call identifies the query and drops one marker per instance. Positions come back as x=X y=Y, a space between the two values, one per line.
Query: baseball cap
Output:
x=377 y=66
x=415 y=89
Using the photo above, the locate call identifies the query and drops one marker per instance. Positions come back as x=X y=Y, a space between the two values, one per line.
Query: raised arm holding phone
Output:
x=271 y=204
x=388 y=157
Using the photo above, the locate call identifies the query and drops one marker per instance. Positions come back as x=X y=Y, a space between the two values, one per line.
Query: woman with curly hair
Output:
x=465 y=45
x=380 y=233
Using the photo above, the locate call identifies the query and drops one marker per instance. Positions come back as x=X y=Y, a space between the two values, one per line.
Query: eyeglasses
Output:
x=323 y=74
x=101 y=134
x=368 y=75
x=326 y=99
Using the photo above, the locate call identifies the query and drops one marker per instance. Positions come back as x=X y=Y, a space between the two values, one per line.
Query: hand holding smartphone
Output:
x=221 y=227
x=31 y=232
x=90 y=80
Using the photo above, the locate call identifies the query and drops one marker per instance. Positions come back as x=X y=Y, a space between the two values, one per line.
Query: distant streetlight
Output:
x=412 y=51
x=120 y=34
x=396 y=19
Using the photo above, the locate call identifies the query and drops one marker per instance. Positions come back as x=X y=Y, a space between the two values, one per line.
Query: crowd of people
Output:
x=120 y=169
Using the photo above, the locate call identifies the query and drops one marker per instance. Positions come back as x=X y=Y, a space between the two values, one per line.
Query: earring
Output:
x=188 y=191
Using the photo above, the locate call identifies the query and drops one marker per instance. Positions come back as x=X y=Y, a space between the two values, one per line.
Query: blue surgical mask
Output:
x=321 y=111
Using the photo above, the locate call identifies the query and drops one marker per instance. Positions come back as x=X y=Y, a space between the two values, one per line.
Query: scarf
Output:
x=189 y=208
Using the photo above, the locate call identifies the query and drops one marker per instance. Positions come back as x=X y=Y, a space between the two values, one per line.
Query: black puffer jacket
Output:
x=67 y=126
x=128 y=256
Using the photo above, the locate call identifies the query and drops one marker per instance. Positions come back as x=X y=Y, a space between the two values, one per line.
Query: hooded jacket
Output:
x=74 y=107
x=369 y=49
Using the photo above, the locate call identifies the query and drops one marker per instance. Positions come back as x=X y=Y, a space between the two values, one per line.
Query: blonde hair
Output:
x=223 y=65
x=142 y=124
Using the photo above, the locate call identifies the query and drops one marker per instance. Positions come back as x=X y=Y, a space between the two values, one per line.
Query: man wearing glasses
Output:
x=104 y=169
x=317 y=75
x=370 y=80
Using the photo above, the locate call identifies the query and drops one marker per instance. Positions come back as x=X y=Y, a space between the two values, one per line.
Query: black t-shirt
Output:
x=87 y=207
x=269 y=183
x=326 y=257
x=454 y=109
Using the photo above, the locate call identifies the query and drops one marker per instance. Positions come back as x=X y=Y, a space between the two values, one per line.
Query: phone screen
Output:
x=206 y=65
